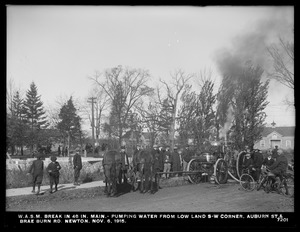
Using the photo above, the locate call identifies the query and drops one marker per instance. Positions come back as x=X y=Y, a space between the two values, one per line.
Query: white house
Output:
x=283 y=137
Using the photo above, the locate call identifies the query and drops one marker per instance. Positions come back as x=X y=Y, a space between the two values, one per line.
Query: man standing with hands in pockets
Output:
x=77 y=163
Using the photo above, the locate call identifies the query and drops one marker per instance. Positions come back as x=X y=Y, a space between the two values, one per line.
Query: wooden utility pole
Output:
x=93 y=122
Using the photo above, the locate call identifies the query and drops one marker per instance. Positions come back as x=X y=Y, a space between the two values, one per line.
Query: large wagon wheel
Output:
x=194 y=165
x=221 y=171
x=239 y=163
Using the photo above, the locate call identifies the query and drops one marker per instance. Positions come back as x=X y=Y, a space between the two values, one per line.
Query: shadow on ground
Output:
x=127 y=188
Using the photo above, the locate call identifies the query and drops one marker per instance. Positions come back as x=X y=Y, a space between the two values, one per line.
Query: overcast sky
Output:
x=58 y=47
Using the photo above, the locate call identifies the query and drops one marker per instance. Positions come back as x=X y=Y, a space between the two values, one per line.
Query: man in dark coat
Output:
x=125 y=165
x=279 y=167
x=77 y=163
x=186 y=157
x=268 y=161
x=167 y=162
x=156 y=152
x=275 y=150
x=176 y=166
x=59 y=150
x=248 y=161
x=135 y=162
x=37 y=171
x=53 y=170
x=257 y=157
x=66 y=151
x=157 y=165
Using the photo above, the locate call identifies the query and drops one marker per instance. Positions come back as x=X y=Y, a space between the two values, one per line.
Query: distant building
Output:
x=283 y=137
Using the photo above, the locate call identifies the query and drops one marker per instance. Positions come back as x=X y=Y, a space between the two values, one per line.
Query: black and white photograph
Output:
x=140 y=115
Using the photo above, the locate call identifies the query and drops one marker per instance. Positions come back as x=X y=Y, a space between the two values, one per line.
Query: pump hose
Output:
x=233 y=177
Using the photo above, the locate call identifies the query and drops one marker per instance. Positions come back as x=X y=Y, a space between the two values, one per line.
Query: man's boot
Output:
x=33 y=189
x=56 y=188
x=38 y=192
x=51 y=189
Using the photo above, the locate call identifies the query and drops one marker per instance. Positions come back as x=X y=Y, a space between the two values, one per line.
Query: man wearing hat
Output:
x=186 y=157
x=274 y=151
x=167 y=162
x=268 y=161
x=53 y=170
x=37 y=171
x=258 y=158
x=248 y=162
x=278 y=168
x=125 y=165
x=137 y=150
x=175 y=161
x=77 y=163
x=157 y=165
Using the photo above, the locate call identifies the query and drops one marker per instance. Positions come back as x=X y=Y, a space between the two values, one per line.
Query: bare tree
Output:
x=173 y=90
x=149 y=112
x=10 y=92
x=283 y=64
x=100 y=107
x=124 y=87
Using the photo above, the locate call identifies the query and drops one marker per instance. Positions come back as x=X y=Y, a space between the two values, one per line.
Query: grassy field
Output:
x=18 y=178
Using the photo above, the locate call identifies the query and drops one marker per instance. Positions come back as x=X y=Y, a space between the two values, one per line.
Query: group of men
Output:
x=163 y=161
x=62 y=151
x=275 y=161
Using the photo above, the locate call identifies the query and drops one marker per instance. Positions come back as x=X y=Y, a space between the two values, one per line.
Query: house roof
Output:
x=284 y=131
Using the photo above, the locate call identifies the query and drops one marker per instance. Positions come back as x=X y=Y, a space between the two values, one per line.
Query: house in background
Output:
x=283 y=137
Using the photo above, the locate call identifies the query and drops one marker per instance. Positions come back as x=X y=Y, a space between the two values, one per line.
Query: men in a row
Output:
x=278 y=168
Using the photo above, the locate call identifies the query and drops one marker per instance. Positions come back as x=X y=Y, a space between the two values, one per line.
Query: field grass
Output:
x=18 y=178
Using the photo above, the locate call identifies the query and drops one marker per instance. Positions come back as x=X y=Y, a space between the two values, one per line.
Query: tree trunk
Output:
x=172 y=129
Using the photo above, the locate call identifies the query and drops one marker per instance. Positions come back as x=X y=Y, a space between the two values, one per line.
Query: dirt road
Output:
x=204 y=197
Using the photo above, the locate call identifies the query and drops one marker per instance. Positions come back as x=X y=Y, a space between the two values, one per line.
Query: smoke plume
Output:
x=227 y=125
x=251 y=44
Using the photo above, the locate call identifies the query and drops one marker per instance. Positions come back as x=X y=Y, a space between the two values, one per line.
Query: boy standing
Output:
x=53 y=170
x=36 y=170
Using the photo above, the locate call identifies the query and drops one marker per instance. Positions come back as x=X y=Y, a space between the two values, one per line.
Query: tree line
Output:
x=171 y=111
x=27 y=124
